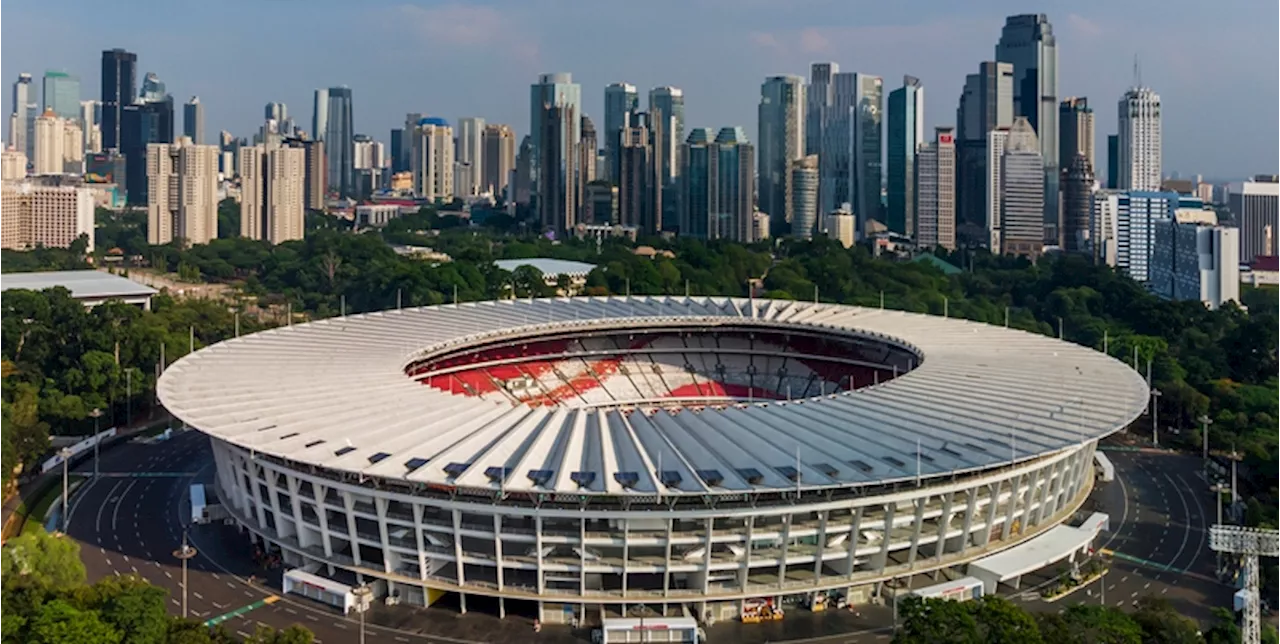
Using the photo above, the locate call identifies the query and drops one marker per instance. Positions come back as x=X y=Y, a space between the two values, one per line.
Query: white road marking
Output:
x=312 y=618
x=291 y=611
x=175 y=602
x=167 y=574
x=198 y=596
x=115 y=514
x=108 y=562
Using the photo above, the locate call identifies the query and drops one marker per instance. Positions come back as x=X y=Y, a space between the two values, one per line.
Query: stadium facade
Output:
x=575 y=458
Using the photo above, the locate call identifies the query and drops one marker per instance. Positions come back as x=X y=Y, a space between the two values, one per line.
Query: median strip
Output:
x=242 y=610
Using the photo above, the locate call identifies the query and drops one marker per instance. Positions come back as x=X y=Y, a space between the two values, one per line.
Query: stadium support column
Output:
x=786 y=539
x=666 y=565
x=319 y=492
x=497 y=558
x=820 y=546
x=626 y=554
x=1015 y=486
x=917 y=526
x=457 y=559
x=349 y=504
x=886 y=536
x=380 y=507
x=745 y=568
x=854 y=528
x=256 y=490
x=993 y=507
x=971 y=496
x=944 y=526
x=273 y=489
x=291 y=482
x=422 y=550
x=537 y=543
x=706 y=564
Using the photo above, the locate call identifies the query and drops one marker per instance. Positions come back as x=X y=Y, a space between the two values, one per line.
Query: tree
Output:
x=1089 y=624
x=134 y=607
x=59 y=622
x=41 y=561
x=1161 y=624
x=293 y=635
x=1002 y=622
x=935 y=621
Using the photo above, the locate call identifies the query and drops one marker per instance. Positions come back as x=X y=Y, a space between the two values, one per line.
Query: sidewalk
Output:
x=29 y=491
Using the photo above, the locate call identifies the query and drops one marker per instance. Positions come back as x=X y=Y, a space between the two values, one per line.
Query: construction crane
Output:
x=1249 y=543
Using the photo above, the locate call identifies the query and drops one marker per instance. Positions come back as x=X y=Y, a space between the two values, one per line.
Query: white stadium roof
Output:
x=85 y=284
x=334 y=393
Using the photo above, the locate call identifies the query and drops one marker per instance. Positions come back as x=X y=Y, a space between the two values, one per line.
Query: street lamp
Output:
x=1155 y=416
x=95 y=414
x=1218 y=489
x=184 y=553
x=65 y=453
x=364 y=595
x=1205 y=421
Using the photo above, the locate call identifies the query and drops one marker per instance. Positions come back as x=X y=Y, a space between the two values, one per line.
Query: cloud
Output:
x=813 y=42
x=1083 y=26
x=466 y=26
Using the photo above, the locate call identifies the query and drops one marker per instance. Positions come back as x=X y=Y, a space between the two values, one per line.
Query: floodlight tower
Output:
x=1249 y=543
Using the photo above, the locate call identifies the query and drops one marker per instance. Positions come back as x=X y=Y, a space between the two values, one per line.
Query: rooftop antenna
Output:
x=1137 y=71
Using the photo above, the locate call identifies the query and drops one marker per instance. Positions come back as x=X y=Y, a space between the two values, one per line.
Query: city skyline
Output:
x=490 y=52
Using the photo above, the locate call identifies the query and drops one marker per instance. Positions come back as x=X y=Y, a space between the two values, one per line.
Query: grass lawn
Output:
x=33 y=517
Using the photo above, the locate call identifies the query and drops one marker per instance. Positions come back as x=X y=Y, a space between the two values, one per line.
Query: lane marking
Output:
x=115 y=514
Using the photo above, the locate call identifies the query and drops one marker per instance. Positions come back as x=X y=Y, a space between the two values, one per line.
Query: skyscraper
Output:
x=668 y=101
x=182 y=179
x=119 y=87
x=62 y=94
x=1077 y=201
x=1075 y=132
x=498 y=160
x=522 y=185
x=586 y=159
x=1027 y=41
x=986 y=104
x=852 y=146
x=317 y=176
x=193 y=120
x=320 y=115
x=1256 y=208
x=782 y=140
x=49 y=141
x=273 y=192
x=470 y=150
x=554 y=90
x=620 y=99
x=339 y=141
x=804 y=196
x=936 y=191
x=432 y=164
x=989 y=236
x=906 y=134
x=1139 y=147
x=636 y=176
x=717 y=185
x=1113 y=161
x=817 y=99
x=1022 y=192
x=556 y=170
x=141 y=125
x=275 y=112
x=22 y=118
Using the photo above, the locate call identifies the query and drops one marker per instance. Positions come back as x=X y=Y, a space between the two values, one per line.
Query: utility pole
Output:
x=363 y=595
x=183 y=554
x=95 y=414
x=1205 y=421
x=128 y=396
x=1155 y=416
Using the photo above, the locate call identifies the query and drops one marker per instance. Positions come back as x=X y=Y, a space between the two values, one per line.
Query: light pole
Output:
x=363 y=595
x=1218 y=489
x=65 y=453
x=96 y=414
x=1155 y=416
x=1205 y=421
x=183 y=554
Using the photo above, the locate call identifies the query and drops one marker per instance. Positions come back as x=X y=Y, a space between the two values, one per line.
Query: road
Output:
x=130 y=521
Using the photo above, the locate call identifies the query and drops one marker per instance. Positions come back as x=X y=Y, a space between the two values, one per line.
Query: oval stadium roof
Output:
x=335 y=393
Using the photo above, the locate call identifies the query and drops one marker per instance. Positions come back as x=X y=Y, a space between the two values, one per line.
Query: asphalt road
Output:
x=130 y=521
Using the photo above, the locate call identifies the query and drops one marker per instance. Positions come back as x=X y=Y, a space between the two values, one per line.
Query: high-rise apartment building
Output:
x=554 y=90
x=44 y=215
x=62 y=94
x=1256 y=208
x=317 y=175
x=990 y=235
x=986 y=105
x=637 y=178
x=1027 y=41
x=90 y=114
x=620 y=100
x=841 y=226
x=119 y=87
x=433 y=161
x=522 y=182
x=1138 y=142
x=1022 y=192
x=587 y=171
x=182 y=182
x=273 y=192
x=470 y=151
x=50 y=141
x=804 y=196
x=717 y=185
x=817 y=100
x=193 y=120
x=22 y=118
x=782 y=116
x=498 y=158
x=935 y=191
x=905 y=134
x=13 y=165
x=1138 y=214
x=339 y=141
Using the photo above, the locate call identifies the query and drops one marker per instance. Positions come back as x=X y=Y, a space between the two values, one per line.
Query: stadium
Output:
x=579 y=458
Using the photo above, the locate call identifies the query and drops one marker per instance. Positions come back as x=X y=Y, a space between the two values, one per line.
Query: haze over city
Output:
x=456 y=59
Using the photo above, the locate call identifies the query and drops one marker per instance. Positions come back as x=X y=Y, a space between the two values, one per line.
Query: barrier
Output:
x=77 y=449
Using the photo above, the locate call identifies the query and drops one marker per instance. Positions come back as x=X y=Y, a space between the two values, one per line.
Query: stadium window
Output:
x=711 y=477
x=454 y=470
x=751 y=475
x=414 y=463
x=583 y=479
x=344 y=450
x=377 y=458
x=627 y=479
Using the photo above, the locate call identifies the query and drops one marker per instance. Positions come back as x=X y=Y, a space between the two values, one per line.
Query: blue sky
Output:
x=1214 y=65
